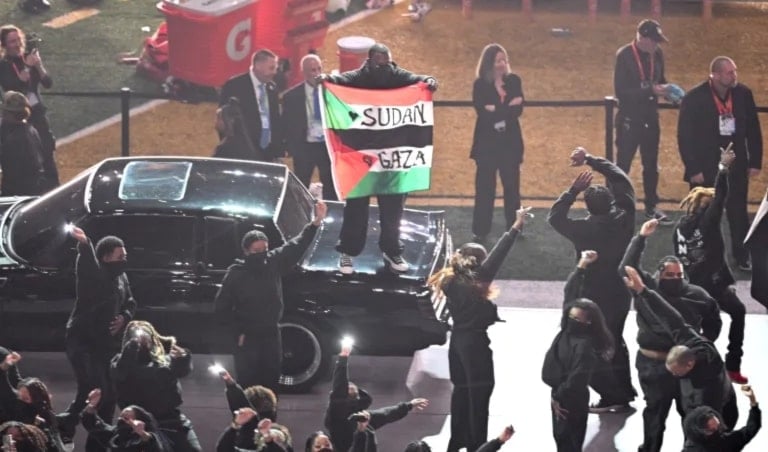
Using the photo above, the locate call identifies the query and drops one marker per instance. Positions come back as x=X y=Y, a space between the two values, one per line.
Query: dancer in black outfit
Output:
x=607 y=229
x=235 y=141
x=699 y=244
x=571 y=358
x=467 y=285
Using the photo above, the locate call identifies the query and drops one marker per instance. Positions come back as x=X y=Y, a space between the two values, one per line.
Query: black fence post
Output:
x=610 y=103
x=125 y=111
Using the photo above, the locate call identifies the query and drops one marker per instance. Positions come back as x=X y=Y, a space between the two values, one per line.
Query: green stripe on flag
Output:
x=338 y=115
x=392 y=182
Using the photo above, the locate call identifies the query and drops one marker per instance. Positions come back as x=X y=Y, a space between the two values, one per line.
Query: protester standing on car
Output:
x=146 y=373
x=22 y=70
x=607 y=230
x=103 y=306
x=251 y=301
x=700 y=246
x=378 y=72
x=466 y=283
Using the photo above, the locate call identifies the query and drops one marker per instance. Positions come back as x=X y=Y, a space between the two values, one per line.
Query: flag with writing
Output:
x=379 y=141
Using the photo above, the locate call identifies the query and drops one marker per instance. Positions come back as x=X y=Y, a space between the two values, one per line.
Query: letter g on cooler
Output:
x=239 y=40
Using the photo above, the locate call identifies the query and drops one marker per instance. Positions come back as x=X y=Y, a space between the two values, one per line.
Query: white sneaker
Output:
x=396 y=263
x=345 y=264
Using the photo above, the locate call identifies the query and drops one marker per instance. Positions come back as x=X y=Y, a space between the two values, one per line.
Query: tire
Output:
x=305 y=356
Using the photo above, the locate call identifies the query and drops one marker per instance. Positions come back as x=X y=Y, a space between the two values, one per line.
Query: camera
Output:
x=32 y=43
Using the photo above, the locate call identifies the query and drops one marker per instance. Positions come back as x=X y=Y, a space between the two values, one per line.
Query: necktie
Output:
x=266 y=135
x=316 y=104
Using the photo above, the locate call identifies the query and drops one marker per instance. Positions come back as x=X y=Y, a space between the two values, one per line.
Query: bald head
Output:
x=722 y=72
x=680 y=360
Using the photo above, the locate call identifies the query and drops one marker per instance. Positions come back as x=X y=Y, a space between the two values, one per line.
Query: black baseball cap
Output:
x=649 y=28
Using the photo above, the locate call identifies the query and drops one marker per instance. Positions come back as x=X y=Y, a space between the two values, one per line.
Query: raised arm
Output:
x=634 y=253
x=575 y=282
x=492 y=263
x=288 y=255
x=617 y=182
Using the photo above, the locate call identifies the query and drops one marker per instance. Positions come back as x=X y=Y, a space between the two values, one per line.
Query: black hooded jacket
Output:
x=697 y=439
x=122 y=439
x=707 y=383
x=100 y=297
x=341 y=406
x=608 y=234
x=251 y=294
x=694 y=304
x=699 y=242
x=470 y=310
x=370 y=77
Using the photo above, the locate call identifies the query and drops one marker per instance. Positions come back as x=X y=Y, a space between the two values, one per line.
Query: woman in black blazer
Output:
x=498 y=142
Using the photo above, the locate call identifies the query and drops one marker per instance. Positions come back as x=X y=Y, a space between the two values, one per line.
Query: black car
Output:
x=182 y=220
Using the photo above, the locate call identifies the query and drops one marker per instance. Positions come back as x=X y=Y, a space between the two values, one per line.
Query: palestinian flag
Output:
x=379 y=141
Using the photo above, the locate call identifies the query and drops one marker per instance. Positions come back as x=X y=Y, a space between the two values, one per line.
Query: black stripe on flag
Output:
x=405 y=136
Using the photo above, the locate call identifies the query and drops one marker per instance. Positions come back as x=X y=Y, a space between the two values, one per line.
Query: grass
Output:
x=541 y=254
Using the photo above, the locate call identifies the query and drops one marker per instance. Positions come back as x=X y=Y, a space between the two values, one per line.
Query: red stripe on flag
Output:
x=349 y=165
x=398 y=97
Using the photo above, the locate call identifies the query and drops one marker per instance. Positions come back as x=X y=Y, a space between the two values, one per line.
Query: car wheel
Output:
x=305 y=359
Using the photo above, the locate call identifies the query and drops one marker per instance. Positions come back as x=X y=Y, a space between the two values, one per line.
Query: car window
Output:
x=154 y=180
x=221 y=244
x=296 y=208
x=152 y=241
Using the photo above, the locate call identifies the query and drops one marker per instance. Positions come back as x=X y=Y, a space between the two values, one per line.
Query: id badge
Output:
x=727 y=125
x=500 y=126
x=645 y=84
x=33 y=99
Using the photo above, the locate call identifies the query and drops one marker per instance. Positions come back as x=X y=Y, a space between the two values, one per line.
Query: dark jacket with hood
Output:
x=699 y=243
x=251 y=294
x=150 y=384
x=388 y=76
x=121 y=438
x=570 y=359
x=694 y=304
x=340 y=406
x=13 y=377
x=469 y=309
x=21 y=159
x=14 y=409
x=101 y=295
x=707 y=383
x=697 y=439
x=607 y=233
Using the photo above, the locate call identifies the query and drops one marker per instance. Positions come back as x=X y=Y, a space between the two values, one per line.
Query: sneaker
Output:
x=396 y=263
x=737 y=377
x=654 y=213
x=607 y=407
x=345 y=264
x=744 y=265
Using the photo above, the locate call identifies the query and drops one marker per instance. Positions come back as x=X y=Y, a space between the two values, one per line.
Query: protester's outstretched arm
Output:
x=634 y=253
x=574 y=285
x=496 y=443
x=289 y=254
x=573 y=230
x=744 y=435
x=492 y=263
x=617 y=180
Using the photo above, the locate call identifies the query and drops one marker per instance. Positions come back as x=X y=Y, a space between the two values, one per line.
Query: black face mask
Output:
x=577 y=328
x=256 y=261
x=114 y=268
x=27 y=412
x=326 y=449
x=124 y=428
x=143 y=355
x=671 y=287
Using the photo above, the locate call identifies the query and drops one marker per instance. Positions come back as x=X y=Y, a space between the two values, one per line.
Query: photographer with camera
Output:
x=22 y=70
x=348 y=406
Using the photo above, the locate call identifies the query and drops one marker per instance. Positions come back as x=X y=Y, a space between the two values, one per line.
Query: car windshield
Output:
x=155 y=180
x=38 y=232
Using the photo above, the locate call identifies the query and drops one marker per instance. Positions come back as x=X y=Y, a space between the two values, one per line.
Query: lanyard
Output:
x=18 y=75
x=640 y=64
x=722 y=108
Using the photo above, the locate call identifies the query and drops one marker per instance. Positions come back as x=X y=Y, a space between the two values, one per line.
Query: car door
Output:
x=161 y=251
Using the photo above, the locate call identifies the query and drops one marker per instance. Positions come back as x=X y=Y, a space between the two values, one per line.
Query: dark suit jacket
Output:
x=487 y=141
x=698 y=132
x=241 y=86
x=295 y=119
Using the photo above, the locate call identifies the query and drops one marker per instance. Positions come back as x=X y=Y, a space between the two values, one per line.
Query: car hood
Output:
x=424 y=235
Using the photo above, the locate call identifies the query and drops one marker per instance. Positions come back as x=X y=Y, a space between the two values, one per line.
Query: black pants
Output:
x=470 y=362
x=304 y=162
x=660 y=388
x=631 y=134
x=506 y=165
x=729 y=302
x=39 y=120
x=759 y=251
x=354 y=229
x=91 y=368
x=612 y=379
x=569 y=433
x=259 y=360
x=181 y=434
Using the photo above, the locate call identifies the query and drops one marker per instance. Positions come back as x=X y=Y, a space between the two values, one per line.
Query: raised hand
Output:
x=579 y=156
x=582 y=182
x=507 y=433
x=321 y=210
x=94 y=397
x=649 y=227
x=419 y=403
x=727 y=156
x=587 y=257
x=243 y=415
x=78 y=234
x=633 y=280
